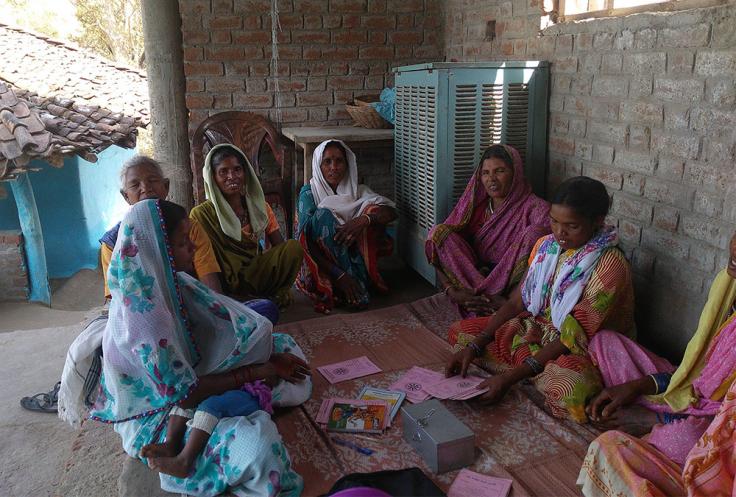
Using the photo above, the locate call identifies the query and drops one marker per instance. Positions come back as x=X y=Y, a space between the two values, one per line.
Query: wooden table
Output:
x=308 y=138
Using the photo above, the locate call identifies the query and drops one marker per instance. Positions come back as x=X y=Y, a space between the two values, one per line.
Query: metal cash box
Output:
x=442 y=440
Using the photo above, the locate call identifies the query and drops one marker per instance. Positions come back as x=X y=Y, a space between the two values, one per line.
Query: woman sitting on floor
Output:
x=481 y=250
x=578 y=282
x=342 y=228
x=170 y=343
x=237 y=218
x=683 y=400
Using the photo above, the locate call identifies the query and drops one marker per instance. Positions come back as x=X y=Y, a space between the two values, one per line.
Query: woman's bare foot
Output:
x=633 y=419
x=166 y=449
x=174 y=466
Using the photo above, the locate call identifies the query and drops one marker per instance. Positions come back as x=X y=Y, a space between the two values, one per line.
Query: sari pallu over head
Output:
x=507 y=237
x=165 y=328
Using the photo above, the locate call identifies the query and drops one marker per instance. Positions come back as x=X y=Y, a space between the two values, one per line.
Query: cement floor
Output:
x=43 y=455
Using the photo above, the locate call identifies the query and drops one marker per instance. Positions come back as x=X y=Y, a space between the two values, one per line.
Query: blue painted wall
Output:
x=77 y=204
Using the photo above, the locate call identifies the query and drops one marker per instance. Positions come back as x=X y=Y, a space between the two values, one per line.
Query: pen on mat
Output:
x=345 y=443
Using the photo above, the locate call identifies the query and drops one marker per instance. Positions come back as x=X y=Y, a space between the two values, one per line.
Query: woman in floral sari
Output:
x=680 y=403
x=578 y=282
x=172 y=342
x=342 y=229
x=481 y=250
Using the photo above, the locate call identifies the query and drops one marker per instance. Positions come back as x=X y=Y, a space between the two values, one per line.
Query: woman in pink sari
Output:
x=481 y=250
x=679 y=402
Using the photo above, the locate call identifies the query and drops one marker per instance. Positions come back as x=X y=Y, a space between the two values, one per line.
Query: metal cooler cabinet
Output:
x=442 y=440
x=447 y=114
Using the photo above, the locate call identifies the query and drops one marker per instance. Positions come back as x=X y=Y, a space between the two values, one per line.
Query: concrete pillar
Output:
x=166 y=87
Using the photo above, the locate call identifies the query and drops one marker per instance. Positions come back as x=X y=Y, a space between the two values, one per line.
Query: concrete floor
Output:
x=44 y=456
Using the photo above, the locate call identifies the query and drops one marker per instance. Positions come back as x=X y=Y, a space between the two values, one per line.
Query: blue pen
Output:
x=346 y=443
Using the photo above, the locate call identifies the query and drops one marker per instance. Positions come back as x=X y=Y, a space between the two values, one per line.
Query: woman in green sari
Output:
x=238 y=221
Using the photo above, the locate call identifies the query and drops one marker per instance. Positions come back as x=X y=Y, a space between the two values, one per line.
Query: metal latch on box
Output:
x=423 y=422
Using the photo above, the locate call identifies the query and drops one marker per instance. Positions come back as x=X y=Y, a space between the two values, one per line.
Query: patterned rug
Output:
x=514 y=439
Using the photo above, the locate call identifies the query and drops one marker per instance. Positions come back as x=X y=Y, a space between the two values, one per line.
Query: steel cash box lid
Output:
x=442 y=440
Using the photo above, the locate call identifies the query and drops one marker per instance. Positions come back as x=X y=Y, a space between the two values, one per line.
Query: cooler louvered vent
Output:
x=466 y=137
x=415 y=137
x=517 y=113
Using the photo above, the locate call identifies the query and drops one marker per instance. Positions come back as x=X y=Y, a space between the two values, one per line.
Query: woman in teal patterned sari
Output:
x=172 y=342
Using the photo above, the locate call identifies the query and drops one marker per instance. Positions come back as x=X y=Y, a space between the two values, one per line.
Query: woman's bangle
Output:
x=447 y=289
x=476 y=349
x=370 y=221
x=340 y=277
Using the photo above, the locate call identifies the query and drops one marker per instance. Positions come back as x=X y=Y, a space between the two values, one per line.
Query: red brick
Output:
x=197 y=37
x=310 y=99
x=376 y=37
x=426 y=52
x=255 y=85
x=379 y=22
x=311 y=53
x=376 y=53
x=344 y=96
x=250 y=6
x=405 y=38
x=311 y=6
x=404 y=21
x=222 y=6
x=295 y=84
x=225 y=85
x=562 y=145
x=403 y=52
x=345 y=82
x=196 y=101
x=225 y=22
x=291 y=21
x=338 y=112
x=374 y=83
x=312 y=22
x=339 y=68
x=286 y=52
x=247 y=100
x=203 y=69
x=251 y=37
x=311 y=37
x=351 y=21
x=194 y=7
x=293 y=115
x=285 y=5
x=319 y=69
x=221 y=37
x=340 y=53
x=347 y=5
x=222 y=101
x=352 y=37
x=283 y=37
x=193 y=53
x=252 y=22
x=376 y=5
x=224 y=53
x=332 y=21
x=195 y=85
x=405 y=5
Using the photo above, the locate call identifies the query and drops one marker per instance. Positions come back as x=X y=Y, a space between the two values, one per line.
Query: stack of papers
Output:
x=420 y=384
x=349 y=370
x=414 y=382
x=470 y=483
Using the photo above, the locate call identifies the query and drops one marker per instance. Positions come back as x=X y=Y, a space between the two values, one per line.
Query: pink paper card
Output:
x=455 y=386
x=348 y=370
x=470 y=483
x=414 y=381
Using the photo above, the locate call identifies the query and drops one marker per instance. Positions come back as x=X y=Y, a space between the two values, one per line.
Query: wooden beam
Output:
x=35 y=251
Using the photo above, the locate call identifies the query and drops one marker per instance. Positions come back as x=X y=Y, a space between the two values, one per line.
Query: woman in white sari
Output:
x=172 y=342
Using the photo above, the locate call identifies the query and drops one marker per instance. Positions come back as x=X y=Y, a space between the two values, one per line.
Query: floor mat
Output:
x=514 y=439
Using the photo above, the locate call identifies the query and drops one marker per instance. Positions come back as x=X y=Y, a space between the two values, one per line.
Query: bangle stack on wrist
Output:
x=477 y=350
x=534 y=364
x=370 y=221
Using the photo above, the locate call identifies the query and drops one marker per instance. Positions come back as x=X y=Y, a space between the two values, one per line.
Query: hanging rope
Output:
x=275 y=78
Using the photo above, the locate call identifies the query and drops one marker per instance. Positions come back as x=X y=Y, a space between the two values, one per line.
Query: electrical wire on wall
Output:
x=275 y=78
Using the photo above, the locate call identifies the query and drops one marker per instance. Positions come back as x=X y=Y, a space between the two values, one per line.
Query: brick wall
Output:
x=647 y=104
x=329 y=51
x=14 y=281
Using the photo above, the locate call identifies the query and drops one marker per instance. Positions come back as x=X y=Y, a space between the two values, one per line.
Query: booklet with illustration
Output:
x=356 y=416
x=393 y=398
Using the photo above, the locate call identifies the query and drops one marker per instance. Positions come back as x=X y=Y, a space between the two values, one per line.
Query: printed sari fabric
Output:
x=165 y=330
x=568 y=382
x=360 y=260
x=618 y=464
x=248 y=271
x=500 y=242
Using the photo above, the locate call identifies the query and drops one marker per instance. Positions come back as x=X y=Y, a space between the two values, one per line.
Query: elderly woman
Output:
x=171 y=343
x=481 y=250
x=237 y=220
x=578 y=283
x=342 y=228
x=678 y=403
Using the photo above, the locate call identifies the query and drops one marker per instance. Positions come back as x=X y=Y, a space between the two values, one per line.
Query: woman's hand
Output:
x=348 y=233
x=460 y=362
x=287 y=367
x=497 y=387
x=610 y=399
x=350 y=288
x=483 y=305
x=460 y=296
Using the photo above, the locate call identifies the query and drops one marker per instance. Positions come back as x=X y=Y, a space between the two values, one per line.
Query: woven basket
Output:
x=364 y=115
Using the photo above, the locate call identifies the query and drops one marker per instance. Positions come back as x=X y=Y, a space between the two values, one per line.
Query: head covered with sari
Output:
x=351 y=199
x=255 y=200
x=165 y=329
x=508 y=235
